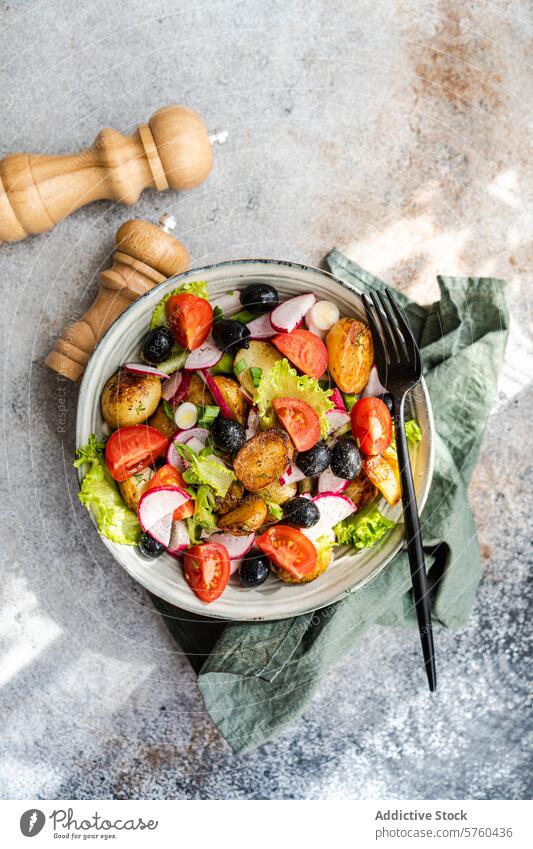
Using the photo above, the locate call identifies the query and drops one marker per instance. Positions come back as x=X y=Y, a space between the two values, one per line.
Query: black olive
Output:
x=228 y=435
x=230 y=335
x=314 y=461
x=158 y=345
x=150 y=547
x=301 y=512
x=346 y=460
x=259 y=298
x=254 y=569
x=388 y=401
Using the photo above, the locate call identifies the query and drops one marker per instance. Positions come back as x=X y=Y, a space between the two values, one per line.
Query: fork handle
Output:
x=414 y=548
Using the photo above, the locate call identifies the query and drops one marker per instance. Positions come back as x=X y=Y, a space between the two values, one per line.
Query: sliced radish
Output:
x=140 y=368
x=333 y=508
x=337 y=420
x=182 y=437
x=183 y=388
x=329 y=482
x=235 y=565
x=287 y=315
x=156 y=508
x=186 y=415
x=228 y=303
x=322 y=316
x=374 y=386
x=236 y=547
x=185 y=435
x=252 y=425
x=179 y=537
x=292 y=474
x=171 y=386
x=316 y=331
x=261 y=328
x=206 y=356
x=195 y=445
x=338 y=401
x=221 y=402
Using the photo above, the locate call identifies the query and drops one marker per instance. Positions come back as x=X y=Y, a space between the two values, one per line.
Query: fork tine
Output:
x=392 y=347
x=410 y=341
x=380 y=354
x=394 y=329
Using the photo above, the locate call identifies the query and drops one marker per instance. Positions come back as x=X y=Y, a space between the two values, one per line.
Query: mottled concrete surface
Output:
x=395 y=130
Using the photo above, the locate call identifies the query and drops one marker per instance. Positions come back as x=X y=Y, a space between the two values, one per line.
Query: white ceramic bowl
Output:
x=350 y=569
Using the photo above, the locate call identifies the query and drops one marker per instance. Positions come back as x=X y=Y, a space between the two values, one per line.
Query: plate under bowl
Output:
x=350 y=570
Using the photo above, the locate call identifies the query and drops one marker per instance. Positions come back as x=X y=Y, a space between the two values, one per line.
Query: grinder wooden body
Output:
x=145 y=256
x=173 y=150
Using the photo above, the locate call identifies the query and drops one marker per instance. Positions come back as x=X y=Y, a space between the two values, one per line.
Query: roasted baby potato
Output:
x=322 y=563
x=263 y=458
x=383 y=471
x=163 y=423
x=198 y=393
x=351 y=354
x=133 y=487
x=277 y=492
x=231 y=499
x=129 y=399
x=246 y=518
x=231 y=392
x=261 y=355
x=361 y=491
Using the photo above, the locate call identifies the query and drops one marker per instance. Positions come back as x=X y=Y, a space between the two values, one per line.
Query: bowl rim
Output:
x=198 y=271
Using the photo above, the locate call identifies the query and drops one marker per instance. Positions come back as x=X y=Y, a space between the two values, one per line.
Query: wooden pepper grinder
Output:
x=173 y=150
x=145 y=255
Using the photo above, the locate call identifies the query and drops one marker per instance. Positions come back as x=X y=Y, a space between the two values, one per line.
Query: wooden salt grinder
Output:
x=145 y=255
x=173 y=150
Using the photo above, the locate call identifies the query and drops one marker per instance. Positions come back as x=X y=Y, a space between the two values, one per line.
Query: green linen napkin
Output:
x=256 y=677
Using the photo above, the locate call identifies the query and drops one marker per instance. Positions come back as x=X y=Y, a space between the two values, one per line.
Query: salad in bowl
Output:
x=246 y=438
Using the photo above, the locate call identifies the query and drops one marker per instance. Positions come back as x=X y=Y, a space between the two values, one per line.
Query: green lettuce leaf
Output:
x=100 y=495
x=204 y=508
x=204 y=514
x=324 y=550
x=363 y=529
x=206 y=470
x=413 y=431
x=284 y=381
x=195 y=287
x=194 y=529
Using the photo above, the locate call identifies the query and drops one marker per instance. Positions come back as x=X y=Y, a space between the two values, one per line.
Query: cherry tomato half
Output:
x=371 y=425
x=207 y=569
x=130 y=449
x=305 y=350
x=190 y=319
x=299 y=420
x=168 y=475
x=289 y=549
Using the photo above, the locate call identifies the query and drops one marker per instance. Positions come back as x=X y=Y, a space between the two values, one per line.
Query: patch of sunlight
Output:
x=517 y=367
x=22 y=780
x=505 y=188
x=407 y=238
x=25 y=631
x=95 y=684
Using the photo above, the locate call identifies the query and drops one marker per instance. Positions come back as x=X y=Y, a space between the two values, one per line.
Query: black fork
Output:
x=399 y=368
